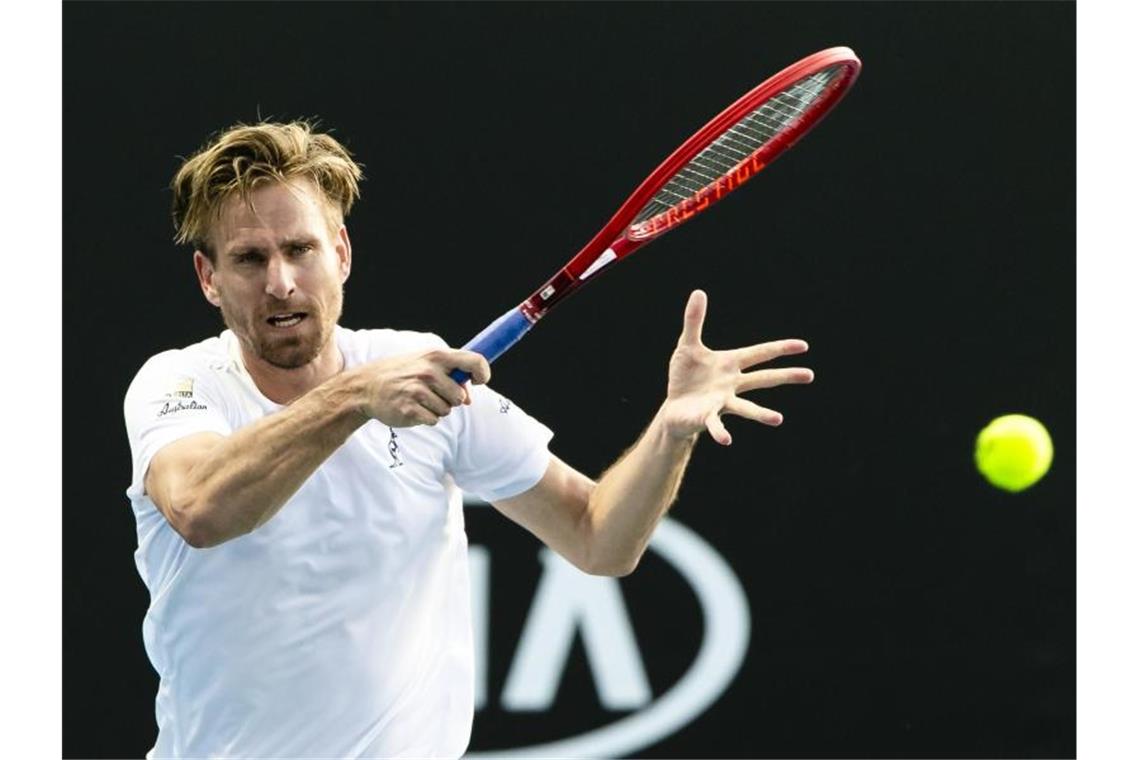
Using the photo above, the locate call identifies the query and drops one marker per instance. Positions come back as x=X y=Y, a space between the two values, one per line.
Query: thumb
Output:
x=717 y=430
x=694 y=318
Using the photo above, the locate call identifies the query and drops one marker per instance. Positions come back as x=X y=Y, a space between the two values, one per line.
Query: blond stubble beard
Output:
x=288 y=353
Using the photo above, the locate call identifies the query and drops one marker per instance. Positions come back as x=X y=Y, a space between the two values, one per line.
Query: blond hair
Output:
x=244 y=156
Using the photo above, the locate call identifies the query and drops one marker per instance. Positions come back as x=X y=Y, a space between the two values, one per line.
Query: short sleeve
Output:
x=170 y=398
x=501 y=451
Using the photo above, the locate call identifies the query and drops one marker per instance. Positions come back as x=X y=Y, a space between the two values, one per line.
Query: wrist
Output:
x=345 y=397
x=672 y=426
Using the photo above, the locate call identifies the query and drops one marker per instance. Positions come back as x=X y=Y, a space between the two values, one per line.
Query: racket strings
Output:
x=740 y=141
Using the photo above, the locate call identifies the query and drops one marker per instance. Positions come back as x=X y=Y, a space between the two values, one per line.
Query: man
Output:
x=297 y=485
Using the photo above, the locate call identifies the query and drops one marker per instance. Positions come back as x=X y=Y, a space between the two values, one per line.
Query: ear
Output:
x=343 y=253
x=205 y=269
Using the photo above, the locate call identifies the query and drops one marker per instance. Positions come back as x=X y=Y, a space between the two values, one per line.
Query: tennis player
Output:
x=297 y=484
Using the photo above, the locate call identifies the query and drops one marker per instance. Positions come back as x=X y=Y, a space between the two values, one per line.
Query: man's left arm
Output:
x=604 y=527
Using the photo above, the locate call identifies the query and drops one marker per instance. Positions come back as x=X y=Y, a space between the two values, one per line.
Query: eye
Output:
x=249 y=257
x=301 y=250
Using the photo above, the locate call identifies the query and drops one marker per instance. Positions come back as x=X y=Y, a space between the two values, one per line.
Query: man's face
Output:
x=278 y=273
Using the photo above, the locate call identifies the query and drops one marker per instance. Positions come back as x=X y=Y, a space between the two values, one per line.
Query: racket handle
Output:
x=495 y=339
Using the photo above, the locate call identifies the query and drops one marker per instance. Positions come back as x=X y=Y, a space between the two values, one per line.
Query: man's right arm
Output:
x=212 y=488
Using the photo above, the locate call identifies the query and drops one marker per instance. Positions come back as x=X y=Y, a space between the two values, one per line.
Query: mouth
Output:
x=286 y=320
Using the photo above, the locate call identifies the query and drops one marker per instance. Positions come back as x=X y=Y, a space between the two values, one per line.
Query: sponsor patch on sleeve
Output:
x=180 y=398
x=184 y=388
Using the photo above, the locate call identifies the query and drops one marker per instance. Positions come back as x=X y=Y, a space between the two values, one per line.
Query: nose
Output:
x=280 y=278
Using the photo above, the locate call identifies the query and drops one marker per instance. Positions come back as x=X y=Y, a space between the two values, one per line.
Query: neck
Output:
x=283 y=386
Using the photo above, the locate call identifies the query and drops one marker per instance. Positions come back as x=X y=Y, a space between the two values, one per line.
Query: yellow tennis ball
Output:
x=1013 y=452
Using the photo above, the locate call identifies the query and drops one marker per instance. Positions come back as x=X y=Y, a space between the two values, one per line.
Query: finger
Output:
x=770 y=378
x=435 y=403
x=438 y=378
x=471 y=362
x=765 y=352
x=424 y=416
x=694 y=318
x=415 y=413
x=443 y=387
x=717 y=430
x=745 y=408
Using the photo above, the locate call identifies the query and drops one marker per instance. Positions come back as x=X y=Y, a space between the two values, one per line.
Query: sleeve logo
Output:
x=183 y=389
x=170 y=407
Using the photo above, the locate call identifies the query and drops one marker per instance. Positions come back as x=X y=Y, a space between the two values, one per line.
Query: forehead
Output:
x=275 y=210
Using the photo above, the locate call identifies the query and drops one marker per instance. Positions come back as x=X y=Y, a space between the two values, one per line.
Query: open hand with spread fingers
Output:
x=704 y=384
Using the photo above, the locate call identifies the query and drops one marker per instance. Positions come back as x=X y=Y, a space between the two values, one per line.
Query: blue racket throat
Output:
x=495 y=339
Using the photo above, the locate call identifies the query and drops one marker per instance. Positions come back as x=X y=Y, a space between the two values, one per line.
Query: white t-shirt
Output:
x=341 y=627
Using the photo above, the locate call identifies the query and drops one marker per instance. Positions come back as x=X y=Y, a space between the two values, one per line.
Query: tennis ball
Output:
x=1013 y=452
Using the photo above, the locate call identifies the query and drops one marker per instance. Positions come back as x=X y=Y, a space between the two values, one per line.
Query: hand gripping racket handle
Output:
x=495 y=339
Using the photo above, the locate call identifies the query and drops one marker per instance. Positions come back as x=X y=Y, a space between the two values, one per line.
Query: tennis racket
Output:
x=724 y=154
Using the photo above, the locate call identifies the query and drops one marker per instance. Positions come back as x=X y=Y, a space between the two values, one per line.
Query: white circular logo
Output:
x=724 y=608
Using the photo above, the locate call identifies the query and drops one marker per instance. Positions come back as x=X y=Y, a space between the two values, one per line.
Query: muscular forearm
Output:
x=213 y=489
x=631 y=497
x=242 y=481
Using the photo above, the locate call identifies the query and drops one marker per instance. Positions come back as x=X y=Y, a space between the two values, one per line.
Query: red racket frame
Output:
x=616 y=235
x=618 y=239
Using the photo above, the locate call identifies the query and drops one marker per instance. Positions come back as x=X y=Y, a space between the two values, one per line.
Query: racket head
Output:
x=751 y=133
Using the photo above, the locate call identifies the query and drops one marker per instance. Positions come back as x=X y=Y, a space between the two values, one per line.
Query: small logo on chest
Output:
x=394 y=450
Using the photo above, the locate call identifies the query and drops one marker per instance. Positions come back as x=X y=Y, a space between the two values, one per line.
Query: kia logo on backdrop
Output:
x=648 y=653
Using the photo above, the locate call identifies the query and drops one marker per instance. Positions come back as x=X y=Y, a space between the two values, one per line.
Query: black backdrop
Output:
x=922 y=239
